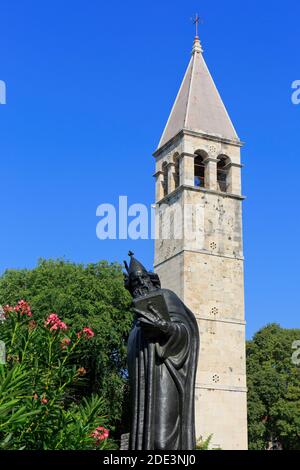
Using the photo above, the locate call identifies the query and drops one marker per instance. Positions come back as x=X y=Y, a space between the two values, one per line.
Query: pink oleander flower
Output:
x=59 y=326
x=22 y=307
x=100 y=434
x=8 y=308
x=54 y=323
x=52 y=318
x=86 y=332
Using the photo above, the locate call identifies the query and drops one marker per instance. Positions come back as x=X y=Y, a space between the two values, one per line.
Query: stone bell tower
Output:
x=199 y=250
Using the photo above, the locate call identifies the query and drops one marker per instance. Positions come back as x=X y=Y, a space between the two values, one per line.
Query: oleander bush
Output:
x=41 y=404
x=84 y=294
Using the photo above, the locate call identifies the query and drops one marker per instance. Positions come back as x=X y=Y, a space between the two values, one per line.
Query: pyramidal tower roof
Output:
x=198 y=106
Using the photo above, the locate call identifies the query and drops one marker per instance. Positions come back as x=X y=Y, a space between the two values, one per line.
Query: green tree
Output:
x=90 y=294
x=274 y=388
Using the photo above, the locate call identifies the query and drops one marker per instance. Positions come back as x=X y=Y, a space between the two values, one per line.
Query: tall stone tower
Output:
x=199 y=251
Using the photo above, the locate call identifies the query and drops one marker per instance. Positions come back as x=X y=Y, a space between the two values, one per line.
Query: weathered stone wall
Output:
x=222 y=413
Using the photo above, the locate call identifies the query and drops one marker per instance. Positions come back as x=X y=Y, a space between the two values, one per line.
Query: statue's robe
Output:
x=162 y=375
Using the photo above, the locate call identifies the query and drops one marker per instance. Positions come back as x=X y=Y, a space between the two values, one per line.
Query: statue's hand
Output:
x=153 y=309
x=152 y=320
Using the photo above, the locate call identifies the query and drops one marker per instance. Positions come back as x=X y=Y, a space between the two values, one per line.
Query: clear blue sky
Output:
x=89 y=88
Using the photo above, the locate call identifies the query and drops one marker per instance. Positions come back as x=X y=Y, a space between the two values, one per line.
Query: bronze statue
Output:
x=162 y=362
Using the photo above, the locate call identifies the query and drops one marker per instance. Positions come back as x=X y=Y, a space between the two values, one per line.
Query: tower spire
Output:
x=198 y=106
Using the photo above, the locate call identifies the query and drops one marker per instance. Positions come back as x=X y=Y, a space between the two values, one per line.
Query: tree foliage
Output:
x=90 y=294
x=274 y=389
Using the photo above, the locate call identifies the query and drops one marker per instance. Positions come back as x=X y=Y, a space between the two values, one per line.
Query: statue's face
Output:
x=140 y=284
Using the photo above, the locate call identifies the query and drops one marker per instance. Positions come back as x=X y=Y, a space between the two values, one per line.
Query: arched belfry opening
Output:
x=223 y=173
x=199 y=170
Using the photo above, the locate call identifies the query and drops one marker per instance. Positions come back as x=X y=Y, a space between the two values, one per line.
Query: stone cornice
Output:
x=215 y=138
x=222 y=320
x=201 y=252
x=204 y=190
x=224 y=388
x=211 y=137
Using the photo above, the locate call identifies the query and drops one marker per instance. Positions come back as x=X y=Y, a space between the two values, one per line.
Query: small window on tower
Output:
x=222 y=173
x=199 y=172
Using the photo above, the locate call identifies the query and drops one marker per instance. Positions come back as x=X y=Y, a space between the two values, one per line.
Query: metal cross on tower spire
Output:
x=196 y=22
